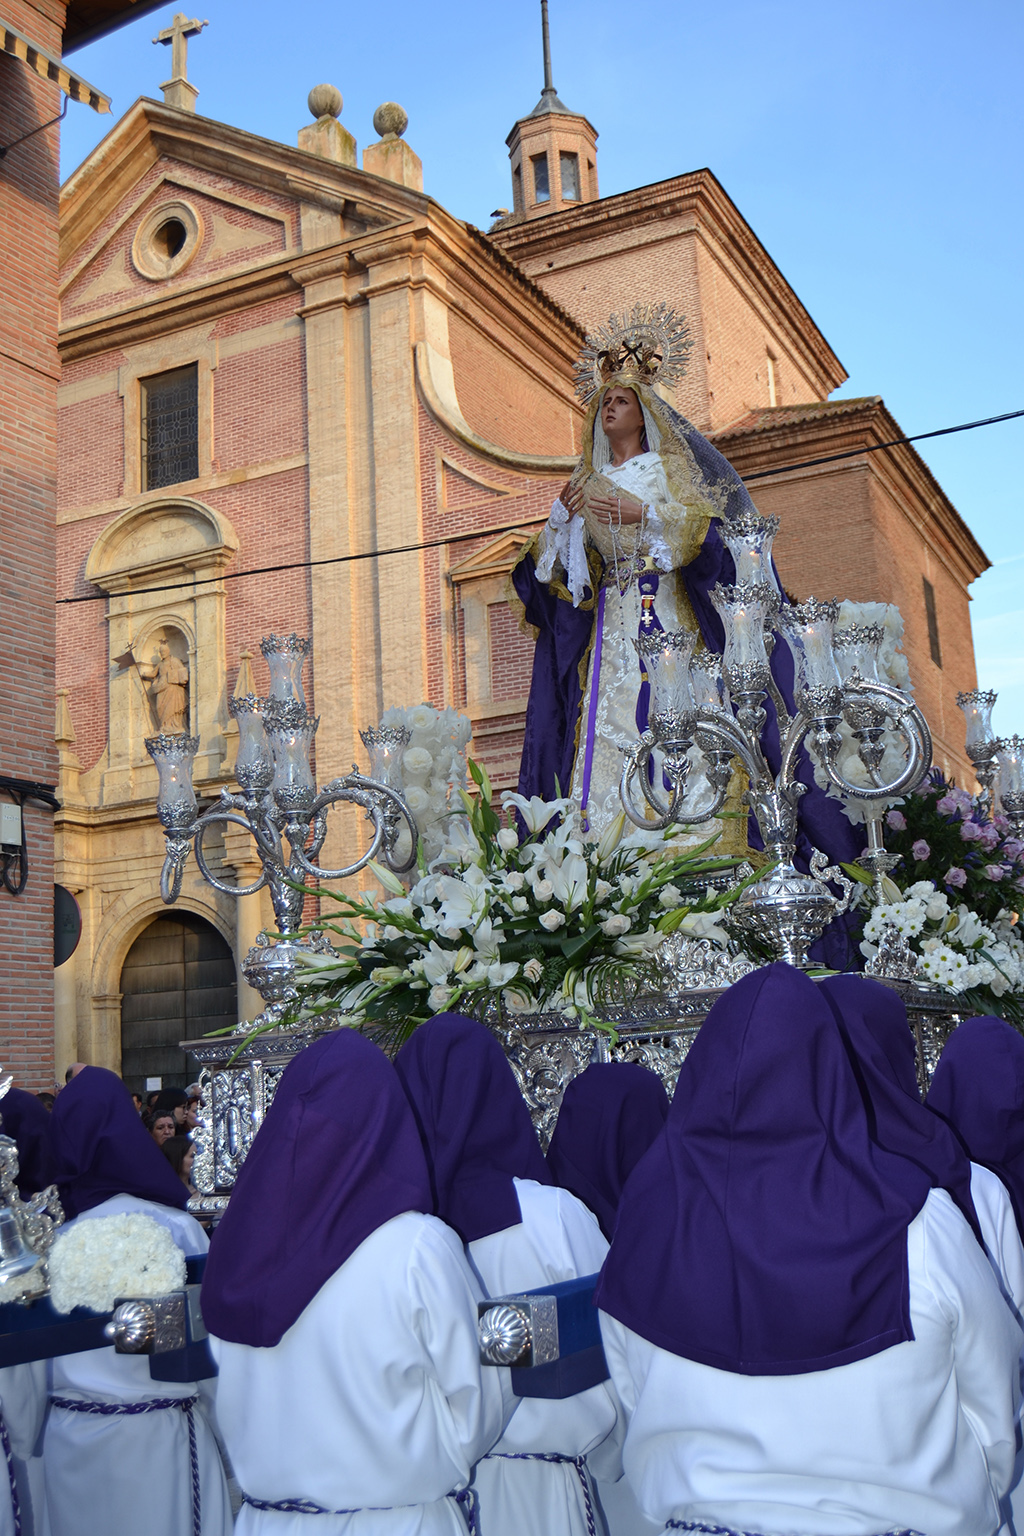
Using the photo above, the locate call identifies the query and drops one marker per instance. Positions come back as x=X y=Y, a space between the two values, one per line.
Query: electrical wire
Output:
x=485 y=533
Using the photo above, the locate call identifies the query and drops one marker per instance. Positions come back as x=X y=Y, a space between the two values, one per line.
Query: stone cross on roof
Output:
x=178 y=92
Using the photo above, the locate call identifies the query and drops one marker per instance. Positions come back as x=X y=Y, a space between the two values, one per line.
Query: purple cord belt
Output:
x=726 y=1530
x=186 y=1405
x=464 y=1498
x=579 y=1463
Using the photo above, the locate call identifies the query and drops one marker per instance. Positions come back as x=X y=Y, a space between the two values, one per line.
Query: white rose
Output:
x=602 y=889
x=508 y=838
x=533 y=970
x=543 y=890
x=520 y=903
x=669 y=896
x=554 y=919
x=616 y=925
x=514 y=880
x=438 y=997
x=416 y=765
x=417 y=799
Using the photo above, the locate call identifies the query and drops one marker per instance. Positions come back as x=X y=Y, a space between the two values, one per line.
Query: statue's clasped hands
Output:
x=613 y=511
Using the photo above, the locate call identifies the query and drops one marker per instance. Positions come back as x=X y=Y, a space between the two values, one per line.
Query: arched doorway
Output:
x=177 y=983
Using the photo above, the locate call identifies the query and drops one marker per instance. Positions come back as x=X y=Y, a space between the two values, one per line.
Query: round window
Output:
x=166 y=241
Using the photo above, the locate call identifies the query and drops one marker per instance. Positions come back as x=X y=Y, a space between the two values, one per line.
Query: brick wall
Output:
x=28 y=460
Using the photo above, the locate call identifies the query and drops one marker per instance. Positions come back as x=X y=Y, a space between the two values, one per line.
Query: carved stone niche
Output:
x=161 y=564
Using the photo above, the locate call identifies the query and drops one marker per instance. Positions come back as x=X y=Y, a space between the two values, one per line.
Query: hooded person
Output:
x=343 y=1316
x=779 y=1281
x=633 y=544
x=27 y=1122
x=116 y=1441
x=873 y=1020
x=977 y=1091
x=491 y=1185
x=609 y=1116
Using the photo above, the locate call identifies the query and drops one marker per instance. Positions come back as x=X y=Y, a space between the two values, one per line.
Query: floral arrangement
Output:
x=433 y=768
x=97 y=1260
x=944 y=835
x=551 y=919
x=954 y=897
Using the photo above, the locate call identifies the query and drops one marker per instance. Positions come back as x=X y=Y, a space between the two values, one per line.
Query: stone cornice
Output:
x=754 y=443
x=717 y=220
x=444 y=408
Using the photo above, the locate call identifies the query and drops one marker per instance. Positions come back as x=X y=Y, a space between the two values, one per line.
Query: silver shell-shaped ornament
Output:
x=504 y=1333
x=132 y=1327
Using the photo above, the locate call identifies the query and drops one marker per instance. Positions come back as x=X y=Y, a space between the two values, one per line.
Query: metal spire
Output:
x=549 y=101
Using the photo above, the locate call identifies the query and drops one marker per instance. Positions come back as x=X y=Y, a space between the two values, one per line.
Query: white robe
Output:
x=558 y=1239
x=998 y=1224
x=23 y=1402
x=374 y=1400
x=107 y=1475
x=920 y=1436
x=643 y=478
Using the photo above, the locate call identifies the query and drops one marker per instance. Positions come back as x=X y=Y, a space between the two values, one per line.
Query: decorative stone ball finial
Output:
x=325 y=101
x=390 y=120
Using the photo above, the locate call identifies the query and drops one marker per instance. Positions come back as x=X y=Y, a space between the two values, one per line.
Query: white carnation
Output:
x=99 y=1259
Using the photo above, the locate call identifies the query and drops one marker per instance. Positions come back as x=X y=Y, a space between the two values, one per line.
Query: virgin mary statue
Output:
x=633 y=543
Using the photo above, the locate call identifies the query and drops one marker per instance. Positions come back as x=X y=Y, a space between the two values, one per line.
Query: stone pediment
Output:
x=159 y=539
x=246 y=175
x=177 y=229
x=495 y=558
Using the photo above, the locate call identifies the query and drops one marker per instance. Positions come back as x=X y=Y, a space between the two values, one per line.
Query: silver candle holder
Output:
x=282 y=809
x=719 y=706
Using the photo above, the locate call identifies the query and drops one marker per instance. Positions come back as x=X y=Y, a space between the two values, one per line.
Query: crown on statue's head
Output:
x=651 y=345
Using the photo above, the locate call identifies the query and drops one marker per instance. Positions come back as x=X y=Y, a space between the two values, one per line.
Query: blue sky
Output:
x=875 y=149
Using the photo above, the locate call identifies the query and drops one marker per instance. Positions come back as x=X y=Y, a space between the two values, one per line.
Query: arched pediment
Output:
x=160 y=538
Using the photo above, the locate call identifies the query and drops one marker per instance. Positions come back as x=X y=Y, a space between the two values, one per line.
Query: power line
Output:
x=485 y=533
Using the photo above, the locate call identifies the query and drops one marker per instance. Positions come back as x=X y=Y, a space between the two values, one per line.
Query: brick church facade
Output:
x=274 y=358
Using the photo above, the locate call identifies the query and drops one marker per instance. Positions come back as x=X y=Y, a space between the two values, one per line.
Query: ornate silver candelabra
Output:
x=998 y=760
x=282 y=809
x=716 y=704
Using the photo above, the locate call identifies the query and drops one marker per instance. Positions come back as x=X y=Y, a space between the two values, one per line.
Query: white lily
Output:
x=536 y=813
x=388 y=880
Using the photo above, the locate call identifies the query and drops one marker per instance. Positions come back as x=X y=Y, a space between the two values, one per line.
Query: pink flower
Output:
x=1012 y=848
x=897 y=821
x=970 y=832
x=946 y=806
x=955 y=876
x=1001 y=824
x=921 y=850
x=989 y=836
x=994 y=872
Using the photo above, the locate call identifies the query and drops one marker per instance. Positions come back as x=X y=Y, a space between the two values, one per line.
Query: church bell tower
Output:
x=553 y=151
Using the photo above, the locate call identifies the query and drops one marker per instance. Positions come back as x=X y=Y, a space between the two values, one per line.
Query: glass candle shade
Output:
x=285 y=657
x=254 y=765
x=385 y=746
x=706 y=680
x=857 y=650
x=808 y=631
x=174 y=756
x=977 y=708
x=666 y=657
x=744 y=611
x=1009 y=770
x=290 y=731
x=748 y=539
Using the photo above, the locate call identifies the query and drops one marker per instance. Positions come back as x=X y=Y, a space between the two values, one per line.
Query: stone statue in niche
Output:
x=167 y=675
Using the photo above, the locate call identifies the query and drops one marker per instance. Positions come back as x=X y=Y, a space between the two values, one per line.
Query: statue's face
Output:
x=164 y=649
x=621 y=415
